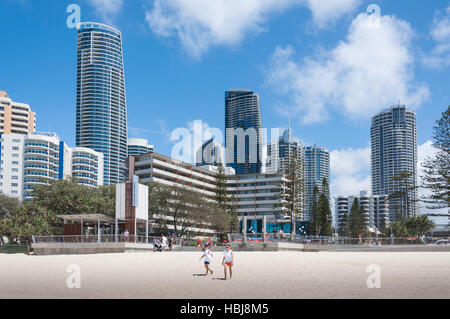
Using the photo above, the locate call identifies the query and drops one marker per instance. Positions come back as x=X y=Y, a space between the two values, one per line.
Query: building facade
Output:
x=280 y=151
x=258 y=195
x=38 y=158
x=101 y=112
x=394 y=150
x=243 y=126
x=316 y=169
x=168 y=172
x=279 y=156
x=15 y=117
x=376 y=210
x=46 y=158
x=139 y=146
x=87 y=166
x=11 y=164
x=211 y=153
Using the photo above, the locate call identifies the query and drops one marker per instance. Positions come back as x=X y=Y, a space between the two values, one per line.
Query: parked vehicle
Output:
x=441 y=242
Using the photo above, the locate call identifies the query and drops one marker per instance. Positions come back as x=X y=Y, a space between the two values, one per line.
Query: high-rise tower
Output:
x=101 y=122
x=15 y=118
x=394 y=150
x=243 y=139
x=316 y=169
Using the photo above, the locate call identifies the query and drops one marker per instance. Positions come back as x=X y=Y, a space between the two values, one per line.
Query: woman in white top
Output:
x=207 y=255
x=227 y=261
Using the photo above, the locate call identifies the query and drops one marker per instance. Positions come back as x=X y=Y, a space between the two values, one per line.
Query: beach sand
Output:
x=257 y=275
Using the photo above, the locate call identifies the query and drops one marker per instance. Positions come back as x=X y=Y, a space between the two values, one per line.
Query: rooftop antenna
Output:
x=289 y=121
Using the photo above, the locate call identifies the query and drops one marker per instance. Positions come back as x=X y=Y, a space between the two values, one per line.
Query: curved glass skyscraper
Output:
x=101 y=122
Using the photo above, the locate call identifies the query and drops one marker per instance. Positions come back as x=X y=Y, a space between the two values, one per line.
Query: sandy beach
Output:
x=257 y=275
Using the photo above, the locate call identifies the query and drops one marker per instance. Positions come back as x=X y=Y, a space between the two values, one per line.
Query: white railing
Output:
x=252 y=238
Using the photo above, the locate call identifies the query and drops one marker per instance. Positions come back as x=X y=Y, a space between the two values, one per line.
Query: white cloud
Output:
x=201 y=24
x=350 y=169
x=368 y=71
x=325 y=11
x=107 y=10
x=440 y=32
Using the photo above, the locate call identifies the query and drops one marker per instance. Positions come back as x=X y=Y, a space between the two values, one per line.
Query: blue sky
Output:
x=329 y=65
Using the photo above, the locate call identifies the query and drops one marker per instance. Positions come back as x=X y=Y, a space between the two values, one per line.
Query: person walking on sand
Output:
x=164 y=242
x=199 y=244
x=227 y=261
x=208 y=256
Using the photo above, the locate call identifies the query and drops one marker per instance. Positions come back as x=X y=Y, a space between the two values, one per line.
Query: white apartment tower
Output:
x=38 y=158
x=394 y=149
x=376 y=209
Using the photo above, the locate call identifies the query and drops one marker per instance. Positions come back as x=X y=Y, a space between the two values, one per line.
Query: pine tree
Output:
x=357 y=219
x=314 y=224
x=437 y=168
x=324 y=211
x=294 y=194
x=225 y=203
x=344 y=229
x=403 y=183
x=221 y=187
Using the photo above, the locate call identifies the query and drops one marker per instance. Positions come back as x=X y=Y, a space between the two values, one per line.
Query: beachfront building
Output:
x=11 y=164
x=166 y=171
x=316 y=169
x=101 y=111
x=46 y=158
x=243 y=125
x=255 y=196
x=394 y=150
x=375 y=208
x=38 y=158
x=139 y=146
x=87 y=166
x=15 y=117
x=259 y=196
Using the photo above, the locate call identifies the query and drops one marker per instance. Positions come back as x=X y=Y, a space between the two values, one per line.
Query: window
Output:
x=14 y=185
x=15 y=170
x=14 y=178
x=15 y=148
x=14 y=192
x=15 y=162
x=15 y=155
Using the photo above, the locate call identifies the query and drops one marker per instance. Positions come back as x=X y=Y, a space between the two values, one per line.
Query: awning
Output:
x=86 y=218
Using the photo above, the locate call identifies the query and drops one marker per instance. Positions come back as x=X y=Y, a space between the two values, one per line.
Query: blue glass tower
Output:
x=101 y=120
x=243 y=126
